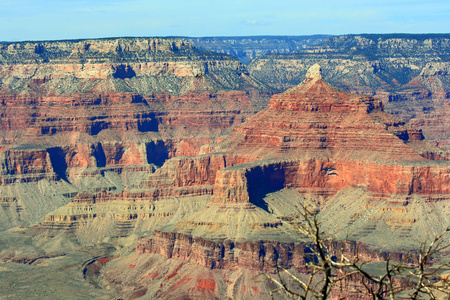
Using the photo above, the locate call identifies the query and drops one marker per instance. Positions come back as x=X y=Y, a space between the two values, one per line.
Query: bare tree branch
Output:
x=411 y=274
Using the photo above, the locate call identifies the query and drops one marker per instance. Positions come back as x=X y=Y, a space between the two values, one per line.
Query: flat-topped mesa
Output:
x=315 y=94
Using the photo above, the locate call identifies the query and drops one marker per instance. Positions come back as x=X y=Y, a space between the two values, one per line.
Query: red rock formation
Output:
x=427 y=96
x=190 y=171
x=252 y=255
x=255 y=256
x=350 y=137
x=312 y=138
x=79 y=98
x=409 y=74
x=319 y=120
x=89 y=113
x=26 y=164
x=238 y=184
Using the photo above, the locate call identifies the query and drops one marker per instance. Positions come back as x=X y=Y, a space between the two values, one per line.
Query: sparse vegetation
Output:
x=415 y=275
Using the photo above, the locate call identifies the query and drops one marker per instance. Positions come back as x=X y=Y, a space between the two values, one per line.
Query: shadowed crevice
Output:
x=263 y=180
x=99 y=154
x=157 y=152
x=123 y=71
x=58 y=161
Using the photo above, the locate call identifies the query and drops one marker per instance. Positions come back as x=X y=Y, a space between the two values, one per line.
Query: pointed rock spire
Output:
x=314 y=72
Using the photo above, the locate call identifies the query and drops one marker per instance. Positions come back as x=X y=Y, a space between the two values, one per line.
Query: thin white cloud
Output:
x=258 y=22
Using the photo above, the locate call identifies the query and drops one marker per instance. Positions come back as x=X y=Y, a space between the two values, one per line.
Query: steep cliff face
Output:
x=313 y=138
x=198 y=268
x=407 y=72
x=314 y=145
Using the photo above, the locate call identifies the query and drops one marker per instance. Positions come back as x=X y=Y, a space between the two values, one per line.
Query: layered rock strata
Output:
x=316 y=119
x=252 y=255
x=313 y=138
x=117 y=137
x=99 y=114
x=180 y=177
x=322 y=147
x=409 y=73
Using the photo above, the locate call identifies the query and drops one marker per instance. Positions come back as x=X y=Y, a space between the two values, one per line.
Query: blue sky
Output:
x=71 y=19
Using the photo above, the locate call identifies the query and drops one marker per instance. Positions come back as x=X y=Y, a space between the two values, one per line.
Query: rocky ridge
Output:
x=407 y=72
